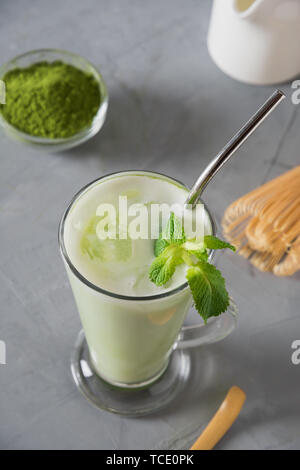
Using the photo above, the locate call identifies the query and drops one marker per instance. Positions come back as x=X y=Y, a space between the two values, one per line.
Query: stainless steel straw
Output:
x=230 y=148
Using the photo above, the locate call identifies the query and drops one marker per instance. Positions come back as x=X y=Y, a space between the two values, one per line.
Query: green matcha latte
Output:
x=130 y=323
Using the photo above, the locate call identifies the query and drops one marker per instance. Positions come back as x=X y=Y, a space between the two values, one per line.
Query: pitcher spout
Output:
x=251 y=9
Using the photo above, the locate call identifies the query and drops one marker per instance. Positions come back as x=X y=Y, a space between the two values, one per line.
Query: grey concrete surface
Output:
x=171 y=110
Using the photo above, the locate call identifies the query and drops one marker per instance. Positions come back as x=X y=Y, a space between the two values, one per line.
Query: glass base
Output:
x=130 y=402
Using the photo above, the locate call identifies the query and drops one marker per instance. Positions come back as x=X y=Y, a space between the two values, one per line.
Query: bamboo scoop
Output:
x=231 y=147
x=222 y=420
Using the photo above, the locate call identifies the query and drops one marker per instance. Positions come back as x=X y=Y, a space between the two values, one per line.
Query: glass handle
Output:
x=216 y=329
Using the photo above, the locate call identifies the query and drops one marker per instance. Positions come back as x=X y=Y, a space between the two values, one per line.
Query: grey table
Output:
x=171 y=110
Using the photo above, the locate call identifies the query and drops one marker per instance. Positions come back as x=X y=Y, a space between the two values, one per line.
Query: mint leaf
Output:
x=159 y=245
x=201 y=255
x=208 y=289
x=173 y=231
x=214 y=243
x=163 y=267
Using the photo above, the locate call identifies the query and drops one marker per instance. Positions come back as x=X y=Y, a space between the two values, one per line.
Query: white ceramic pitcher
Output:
x=256 y=41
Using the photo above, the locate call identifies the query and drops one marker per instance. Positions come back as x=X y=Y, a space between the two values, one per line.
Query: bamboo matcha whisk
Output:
x=265 y=224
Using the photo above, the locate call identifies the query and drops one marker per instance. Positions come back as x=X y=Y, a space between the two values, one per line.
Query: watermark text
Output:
x=2 y=352
x=296 y=354
x=146 y=220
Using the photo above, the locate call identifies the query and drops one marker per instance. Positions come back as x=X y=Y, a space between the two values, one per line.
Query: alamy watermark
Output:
x=146 y=220
x=296 y=94
x=296 y=354
x=2 y=352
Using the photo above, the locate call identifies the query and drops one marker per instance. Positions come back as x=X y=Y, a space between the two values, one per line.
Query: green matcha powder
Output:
x=53 y=100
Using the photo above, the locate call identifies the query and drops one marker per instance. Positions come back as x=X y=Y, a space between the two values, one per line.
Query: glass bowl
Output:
x=50 y=55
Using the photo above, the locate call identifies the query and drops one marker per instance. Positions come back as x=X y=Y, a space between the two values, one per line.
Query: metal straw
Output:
x=230 y=148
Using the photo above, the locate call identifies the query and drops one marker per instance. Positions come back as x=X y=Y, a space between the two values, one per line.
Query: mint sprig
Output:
x=214 y=243
x=205 y=280
x=163 y=267
x=208 y=289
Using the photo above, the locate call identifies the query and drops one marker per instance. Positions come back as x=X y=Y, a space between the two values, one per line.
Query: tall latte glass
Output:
x=131 y=326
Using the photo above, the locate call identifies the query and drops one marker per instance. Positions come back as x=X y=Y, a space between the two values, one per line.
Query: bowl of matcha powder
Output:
x=53 y=99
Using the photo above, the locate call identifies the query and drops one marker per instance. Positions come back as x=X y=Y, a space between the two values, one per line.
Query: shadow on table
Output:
x=269 y=379
x=143 y=128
